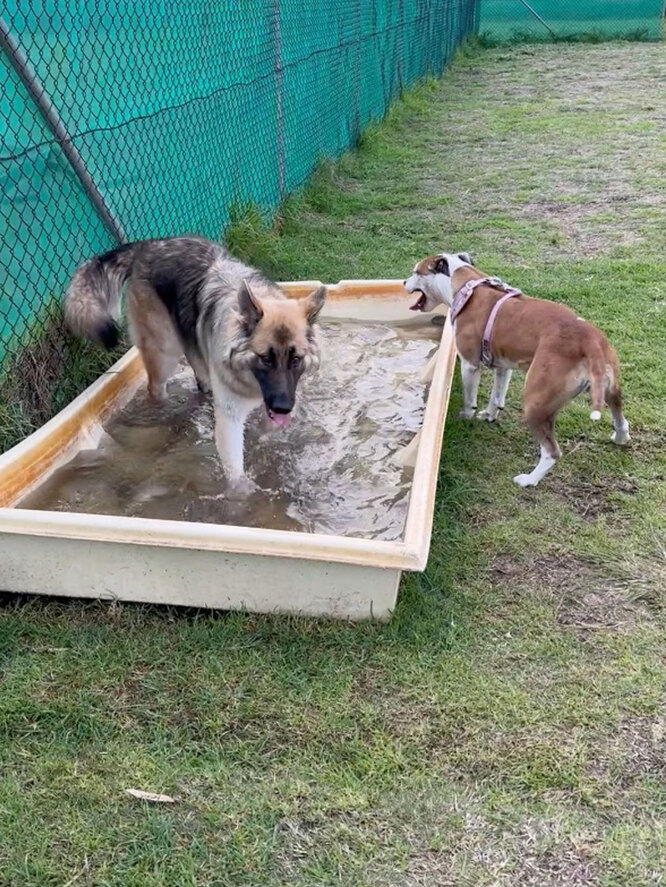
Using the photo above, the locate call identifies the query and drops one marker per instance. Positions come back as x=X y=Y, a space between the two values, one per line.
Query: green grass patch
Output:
x=43 y=372
x=572 y=32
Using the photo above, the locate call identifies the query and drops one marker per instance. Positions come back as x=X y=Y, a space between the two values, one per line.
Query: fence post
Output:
x=538 y=17
x=476 y=17
x=358 y=24
x=26 y=75
x=401 y=22
x=276 y=31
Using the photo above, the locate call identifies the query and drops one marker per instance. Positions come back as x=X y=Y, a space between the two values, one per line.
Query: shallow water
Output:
x=331 y=471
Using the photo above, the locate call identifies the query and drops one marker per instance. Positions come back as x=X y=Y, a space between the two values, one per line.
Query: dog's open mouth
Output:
x=282 y=420
x=421 y=302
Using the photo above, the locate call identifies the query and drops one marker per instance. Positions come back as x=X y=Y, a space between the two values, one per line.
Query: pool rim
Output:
x=30 y=462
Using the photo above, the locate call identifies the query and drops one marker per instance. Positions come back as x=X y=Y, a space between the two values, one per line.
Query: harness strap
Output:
x=463 y=296
x=486 y=356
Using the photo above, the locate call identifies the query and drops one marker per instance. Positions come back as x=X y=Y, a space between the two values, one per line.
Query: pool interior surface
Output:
x=332 y=471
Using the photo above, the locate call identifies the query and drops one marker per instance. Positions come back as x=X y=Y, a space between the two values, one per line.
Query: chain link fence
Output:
x=127 y=119
x=518 y=20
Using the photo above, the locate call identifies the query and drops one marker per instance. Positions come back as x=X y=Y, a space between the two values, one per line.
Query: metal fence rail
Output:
x=132 y=119
x=505 y=20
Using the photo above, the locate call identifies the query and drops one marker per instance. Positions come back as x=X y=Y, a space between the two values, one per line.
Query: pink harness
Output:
x=463 y=296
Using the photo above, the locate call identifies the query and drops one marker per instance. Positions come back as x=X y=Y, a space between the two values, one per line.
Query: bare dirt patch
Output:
x=589 y=596
x=533 y=852
x=635 y=751
x=592 y=499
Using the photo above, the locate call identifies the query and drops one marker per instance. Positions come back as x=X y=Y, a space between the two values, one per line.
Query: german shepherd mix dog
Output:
x=498 y=326
x=245 y=341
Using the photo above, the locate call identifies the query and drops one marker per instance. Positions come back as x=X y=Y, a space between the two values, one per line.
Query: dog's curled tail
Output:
x=597 y=369
x=92 y=301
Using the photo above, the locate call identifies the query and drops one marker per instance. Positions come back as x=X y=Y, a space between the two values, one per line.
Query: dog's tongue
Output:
x=420 y=304
x=282 y=420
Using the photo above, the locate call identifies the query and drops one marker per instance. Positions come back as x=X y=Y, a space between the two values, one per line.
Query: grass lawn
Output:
x=508 y=727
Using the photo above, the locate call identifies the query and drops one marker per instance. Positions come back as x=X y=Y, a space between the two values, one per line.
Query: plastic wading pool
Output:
x=209 y=565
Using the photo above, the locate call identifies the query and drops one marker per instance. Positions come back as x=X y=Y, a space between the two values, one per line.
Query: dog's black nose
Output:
x=281 y=403
x=404 y=283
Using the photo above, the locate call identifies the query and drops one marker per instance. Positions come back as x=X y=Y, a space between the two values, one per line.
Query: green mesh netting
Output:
x=181 y=109
x=504 y=19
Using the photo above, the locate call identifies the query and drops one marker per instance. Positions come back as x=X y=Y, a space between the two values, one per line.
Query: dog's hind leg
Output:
x=160 y=366
x=614 y=400
x=151 y=330
x=470 y=381
x=501 y=379
x=542 y=399
x=543 y=428
x=200 y=370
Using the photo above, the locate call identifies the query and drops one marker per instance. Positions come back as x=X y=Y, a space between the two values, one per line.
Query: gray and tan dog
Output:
x=246 y=342
x=496 y=325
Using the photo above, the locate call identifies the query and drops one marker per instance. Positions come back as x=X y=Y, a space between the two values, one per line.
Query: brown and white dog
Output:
x=561 y=353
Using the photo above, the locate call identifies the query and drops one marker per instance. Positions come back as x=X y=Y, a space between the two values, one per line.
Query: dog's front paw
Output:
x=487 y=415
x=467 y=413
x=525 y=480
x=242 y=485
x=620 y=438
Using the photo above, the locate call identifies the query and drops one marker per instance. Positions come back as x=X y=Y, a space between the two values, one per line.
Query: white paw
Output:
x=620 y=438
x=467 y=413
x=242 y=485
x=525 y=480
x=488 y=415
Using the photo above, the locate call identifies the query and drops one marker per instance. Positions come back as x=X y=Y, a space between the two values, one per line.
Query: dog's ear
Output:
x=441 y=266
x=313 y=304
x=249 y=306
x=466 y=258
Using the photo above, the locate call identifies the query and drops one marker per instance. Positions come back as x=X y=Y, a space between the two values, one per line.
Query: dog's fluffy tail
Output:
x=597 y=369
x=92 y=301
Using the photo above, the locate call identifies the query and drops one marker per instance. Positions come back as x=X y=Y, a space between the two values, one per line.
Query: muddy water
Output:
x=331 y=471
